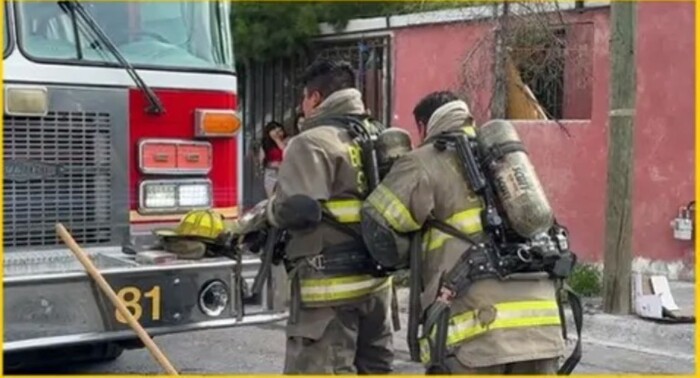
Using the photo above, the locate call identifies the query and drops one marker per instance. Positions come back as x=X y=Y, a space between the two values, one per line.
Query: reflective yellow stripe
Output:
x=391 y=208
x=468 y=221
x=508 y=315
x=424 y=350
x=469 y=130
x=345 y=211
x=341 y=288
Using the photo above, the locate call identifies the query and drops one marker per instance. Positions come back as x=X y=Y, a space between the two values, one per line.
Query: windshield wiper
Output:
x=155 y=107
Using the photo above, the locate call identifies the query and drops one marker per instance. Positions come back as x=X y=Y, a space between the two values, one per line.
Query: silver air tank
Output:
x=516 y=184
x=391 y=144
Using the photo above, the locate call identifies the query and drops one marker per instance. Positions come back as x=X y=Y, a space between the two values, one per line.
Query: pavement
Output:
x=611 y=344
x=667 y=342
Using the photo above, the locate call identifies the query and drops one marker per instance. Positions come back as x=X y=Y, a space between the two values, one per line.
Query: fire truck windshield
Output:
x=185 y=35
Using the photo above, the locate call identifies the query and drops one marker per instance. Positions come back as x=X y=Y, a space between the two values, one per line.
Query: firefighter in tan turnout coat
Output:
x=496 y=327
x=339 y=312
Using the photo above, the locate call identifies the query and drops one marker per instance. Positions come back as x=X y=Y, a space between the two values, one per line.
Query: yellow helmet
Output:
x=205 y=224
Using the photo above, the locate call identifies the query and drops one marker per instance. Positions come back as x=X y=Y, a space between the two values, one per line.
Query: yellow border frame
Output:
x=697 y=195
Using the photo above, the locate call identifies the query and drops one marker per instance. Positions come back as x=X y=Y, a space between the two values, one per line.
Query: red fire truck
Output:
x=119 y=117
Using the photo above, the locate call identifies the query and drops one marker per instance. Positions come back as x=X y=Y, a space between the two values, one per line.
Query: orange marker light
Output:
x=216 y=123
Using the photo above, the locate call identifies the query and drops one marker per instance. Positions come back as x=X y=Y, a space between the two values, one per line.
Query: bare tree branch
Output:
x=535 y=36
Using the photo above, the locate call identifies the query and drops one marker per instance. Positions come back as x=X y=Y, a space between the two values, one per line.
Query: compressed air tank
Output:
x=391 y=144
x=515 y=181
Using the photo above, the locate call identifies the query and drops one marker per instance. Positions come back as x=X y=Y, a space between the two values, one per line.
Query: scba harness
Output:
x=351 y=256
x=379 y=148
x=346 y=260
x=500 y=255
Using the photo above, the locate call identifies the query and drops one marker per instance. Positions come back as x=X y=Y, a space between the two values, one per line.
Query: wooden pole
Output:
x=102 y=283
x=499 y=100
x=618 y=228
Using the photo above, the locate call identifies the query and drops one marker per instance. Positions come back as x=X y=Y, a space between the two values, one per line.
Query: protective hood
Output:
x=448 y=117
x=344 y=101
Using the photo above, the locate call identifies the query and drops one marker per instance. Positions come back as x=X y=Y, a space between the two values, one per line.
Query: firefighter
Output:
x=495 y=327
x=340 y=319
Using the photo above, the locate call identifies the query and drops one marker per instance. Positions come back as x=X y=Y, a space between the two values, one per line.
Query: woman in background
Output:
x=273 y=144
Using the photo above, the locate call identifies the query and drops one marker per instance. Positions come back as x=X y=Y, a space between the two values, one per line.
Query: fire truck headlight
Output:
x=194 y=195
x=30 y=101
x=213 y=298
x=160 y=196
x=174 y=196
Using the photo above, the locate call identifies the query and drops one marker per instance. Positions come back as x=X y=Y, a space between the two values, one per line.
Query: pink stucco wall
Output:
x=665 y=132
x=573 y=169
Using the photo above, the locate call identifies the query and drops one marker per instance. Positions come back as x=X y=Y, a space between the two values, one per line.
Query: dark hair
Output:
x=267 y=142
x=328 y=76
x=430 y=103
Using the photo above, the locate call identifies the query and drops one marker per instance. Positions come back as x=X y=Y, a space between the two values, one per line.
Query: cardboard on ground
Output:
x=652 y=299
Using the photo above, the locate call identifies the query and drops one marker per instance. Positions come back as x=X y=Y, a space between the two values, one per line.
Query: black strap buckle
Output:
x=317 y=262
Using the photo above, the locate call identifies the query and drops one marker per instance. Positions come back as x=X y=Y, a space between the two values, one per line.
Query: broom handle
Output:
x=102 y=283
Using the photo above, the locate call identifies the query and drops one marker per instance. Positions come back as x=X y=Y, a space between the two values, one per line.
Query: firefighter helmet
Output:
x=200 y=224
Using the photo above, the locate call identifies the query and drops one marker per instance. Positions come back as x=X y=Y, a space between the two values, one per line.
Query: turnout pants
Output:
x=539 y=367
x=351 y=339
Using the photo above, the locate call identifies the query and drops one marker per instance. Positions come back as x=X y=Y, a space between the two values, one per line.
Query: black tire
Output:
x=110 y=352
x=51 y=358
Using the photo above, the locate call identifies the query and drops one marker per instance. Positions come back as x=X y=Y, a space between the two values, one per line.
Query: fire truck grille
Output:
x=57 y=169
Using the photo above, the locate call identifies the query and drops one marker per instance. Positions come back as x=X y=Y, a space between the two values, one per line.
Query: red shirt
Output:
x=274 y=155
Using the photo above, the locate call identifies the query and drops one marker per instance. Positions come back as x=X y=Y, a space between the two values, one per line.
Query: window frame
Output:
x=565 y=29
x=9 y=31
x=88 y=63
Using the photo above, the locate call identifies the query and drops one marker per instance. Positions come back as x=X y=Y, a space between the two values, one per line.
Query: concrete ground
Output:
x=611 y=344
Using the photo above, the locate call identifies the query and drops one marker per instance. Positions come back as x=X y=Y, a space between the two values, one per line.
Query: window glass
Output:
x=172 y=34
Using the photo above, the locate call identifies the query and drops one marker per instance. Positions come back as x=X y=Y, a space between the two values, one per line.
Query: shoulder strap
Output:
x=330 y=220
x=577 y=310
x=446 y=228
x=416 y=286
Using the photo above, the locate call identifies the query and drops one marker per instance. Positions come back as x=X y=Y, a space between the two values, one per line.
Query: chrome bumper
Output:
x=85 y=338
x=50 y=301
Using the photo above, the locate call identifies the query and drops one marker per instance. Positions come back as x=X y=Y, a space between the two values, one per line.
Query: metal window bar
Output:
x=271 y=91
